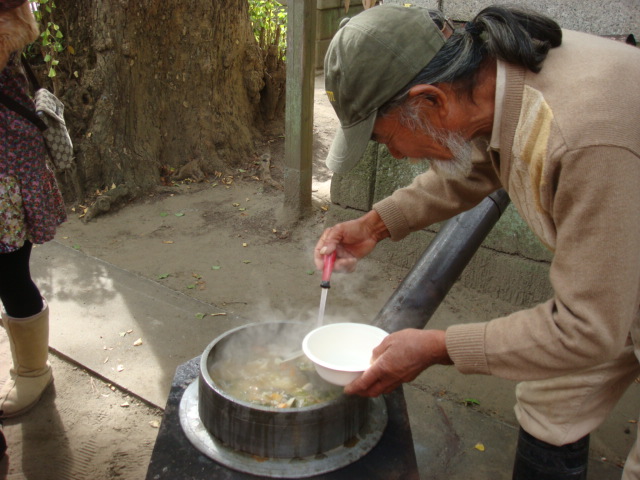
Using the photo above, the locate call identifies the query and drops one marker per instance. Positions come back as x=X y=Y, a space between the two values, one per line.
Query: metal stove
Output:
x=184 y=450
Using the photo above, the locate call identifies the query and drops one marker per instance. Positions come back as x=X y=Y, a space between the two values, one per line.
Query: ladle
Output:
x=289 y=358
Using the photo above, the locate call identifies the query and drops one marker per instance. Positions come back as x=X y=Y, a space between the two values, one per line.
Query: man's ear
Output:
x=435 y=98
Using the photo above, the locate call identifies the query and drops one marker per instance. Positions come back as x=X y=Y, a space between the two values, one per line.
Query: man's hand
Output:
x=400 y=358
x=352 y=240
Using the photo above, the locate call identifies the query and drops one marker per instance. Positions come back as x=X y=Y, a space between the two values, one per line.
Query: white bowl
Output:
x=342 y=351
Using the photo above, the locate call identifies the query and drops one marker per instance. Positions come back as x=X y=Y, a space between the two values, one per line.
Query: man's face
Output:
x=448 y=153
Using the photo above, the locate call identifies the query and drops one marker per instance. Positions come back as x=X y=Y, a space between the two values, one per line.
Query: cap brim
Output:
x=349 y=145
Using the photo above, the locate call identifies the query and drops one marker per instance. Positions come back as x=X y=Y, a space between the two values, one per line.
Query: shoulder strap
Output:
x=32 y=78
x=20 y=109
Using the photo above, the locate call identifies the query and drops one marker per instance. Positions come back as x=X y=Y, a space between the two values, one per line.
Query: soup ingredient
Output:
x=264 y=380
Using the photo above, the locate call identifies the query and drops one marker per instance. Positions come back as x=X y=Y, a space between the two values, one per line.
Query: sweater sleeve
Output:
x=595 y=275
x=431 y=199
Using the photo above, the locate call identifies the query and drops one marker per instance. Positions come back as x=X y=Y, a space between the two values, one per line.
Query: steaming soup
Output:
x=263 y=379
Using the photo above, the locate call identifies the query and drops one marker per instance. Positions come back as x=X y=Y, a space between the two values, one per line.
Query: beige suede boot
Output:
x=31 y=371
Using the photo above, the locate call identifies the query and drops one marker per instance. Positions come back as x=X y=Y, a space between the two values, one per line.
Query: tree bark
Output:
x=152 y=85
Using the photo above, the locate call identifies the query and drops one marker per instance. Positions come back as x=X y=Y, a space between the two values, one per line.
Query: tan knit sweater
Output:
x=570 y=161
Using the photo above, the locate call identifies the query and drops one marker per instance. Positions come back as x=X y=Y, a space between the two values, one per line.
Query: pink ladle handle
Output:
x=327 y=269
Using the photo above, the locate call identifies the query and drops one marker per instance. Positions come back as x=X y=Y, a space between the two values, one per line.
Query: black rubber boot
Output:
x=538 y=460
x=3 y=441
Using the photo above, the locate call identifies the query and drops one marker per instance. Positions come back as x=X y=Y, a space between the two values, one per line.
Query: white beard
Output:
x=459 y=167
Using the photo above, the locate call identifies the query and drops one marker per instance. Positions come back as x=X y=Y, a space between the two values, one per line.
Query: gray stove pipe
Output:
x=425 y=286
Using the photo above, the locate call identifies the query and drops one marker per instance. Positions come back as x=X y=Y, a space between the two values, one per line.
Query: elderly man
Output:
x=510 y=101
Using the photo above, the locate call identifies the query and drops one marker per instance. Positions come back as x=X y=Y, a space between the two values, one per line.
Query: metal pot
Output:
x=274 y=432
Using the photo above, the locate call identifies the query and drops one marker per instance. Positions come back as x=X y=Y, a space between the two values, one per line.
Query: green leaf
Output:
x=163 y=276
x=192 y=286
x=76 y=247
x=179 y=214
x=52 y=72
x=200 y=316
x=311 y=272
x=164 y=214
x=471 y=401
x=215 y=267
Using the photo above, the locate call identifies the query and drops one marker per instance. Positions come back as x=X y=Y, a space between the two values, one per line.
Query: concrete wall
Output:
x=615 y=17
x=512 y=264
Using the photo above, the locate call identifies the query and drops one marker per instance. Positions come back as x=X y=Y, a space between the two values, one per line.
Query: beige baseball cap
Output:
x=370 y=58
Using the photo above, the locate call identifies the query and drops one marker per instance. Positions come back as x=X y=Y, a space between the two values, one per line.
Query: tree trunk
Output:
x=151 y=86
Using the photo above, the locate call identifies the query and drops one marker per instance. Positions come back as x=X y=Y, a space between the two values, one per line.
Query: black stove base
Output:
x=174 y=456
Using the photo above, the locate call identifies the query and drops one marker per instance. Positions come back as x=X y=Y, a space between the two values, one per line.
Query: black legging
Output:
x=20 y=296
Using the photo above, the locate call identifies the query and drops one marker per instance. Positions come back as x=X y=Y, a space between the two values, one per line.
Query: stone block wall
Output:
x=616 y=17
x=512 y=263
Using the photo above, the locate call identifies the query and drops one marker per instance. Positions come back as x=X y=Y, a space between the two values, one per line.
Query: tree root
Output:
x=107 y=201
x=265 y=166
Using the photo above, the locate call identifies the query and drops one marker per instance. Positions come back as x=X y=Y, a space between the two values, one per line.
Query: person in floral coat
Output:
x=31 y=208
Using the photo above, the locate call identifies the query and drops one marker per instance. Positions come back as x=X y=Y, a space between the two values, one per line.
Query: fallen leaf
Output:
x=106 y=360
x=138 y=342
x=168 y=241
x=246 y=261
x=164 y=214
x=235 y=204
x=130 y=330
x=119 y=368
x=154 y=424
x=163 y=276
x=124 y=405
x=200 y=316
x=311 y=272
x=191 y=287
x=215 y=267
x=218 y=314
x=180 y=214
x=479 y=446
x=245 y=244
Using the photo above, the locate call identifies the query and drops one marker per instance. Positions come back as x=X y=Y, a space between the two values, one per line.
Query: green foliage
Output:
x=269 y=21
x=51 y=41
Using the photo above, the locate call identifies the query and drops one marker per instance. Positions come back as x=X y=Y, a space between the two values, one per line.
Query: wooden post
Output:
x=301 y=34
